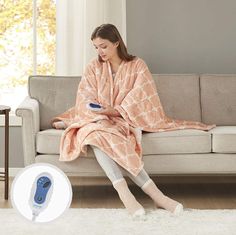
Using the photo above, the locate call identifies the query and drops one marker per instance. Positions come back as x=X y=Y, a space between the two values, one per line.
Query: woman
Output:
x=122 y=84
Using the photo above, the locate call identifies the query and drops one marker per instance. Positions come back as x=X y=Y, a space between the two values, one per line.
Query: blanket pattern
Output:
x=134 y=95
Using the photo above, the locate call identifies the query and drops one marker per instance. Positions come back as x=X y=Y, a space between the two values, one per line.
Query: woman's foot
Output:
x=131 y=204
x=160 y=199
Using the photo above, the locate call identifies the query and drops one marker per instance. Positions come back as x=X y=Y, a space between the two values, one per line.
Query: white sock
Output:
x=160 y=199
x=128 y=199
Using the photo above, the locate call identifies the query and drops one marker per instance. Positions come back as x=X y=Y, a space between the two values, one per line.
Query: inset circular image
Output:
x=41 y=192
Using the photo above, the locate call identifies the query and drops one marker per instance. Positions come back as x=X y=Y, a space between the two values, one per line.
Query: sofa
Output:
x=210 y=98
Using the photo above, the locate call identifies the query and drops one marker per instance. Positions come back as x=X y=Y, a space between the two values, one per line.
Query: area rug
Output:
x=118 y=222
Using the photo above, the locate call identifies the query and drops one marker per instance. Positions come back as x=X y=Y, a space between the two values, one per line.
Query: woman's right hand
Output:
x=109 y=111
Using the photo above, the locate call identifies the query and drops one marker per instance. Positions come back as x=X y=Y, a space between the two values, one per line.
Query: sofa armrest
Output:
x=29 y=111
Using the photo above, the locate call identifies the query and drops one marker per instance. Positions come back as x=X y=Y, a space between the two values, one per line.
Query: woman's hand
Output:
x=109 y=111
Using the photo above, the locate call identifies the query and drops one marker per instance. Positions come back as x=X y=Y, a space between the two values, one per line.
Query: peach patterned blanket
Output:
x=133 y=94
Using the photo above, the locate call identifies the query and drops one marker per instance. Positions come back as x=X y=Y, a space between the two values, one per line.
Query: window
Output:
x=26 y=47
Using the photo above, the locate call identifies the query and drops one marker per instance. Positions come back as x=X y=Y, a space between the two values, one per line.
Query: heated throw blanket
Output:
x=134 y=95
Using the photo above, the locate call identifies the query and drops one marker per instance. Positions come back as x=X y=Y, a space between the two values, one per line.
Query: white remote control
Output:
x=41 y=193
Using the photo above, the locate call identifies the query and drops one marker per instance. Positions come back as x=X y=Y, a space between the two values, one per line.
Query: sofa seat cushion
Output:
x=170 y=142
x=224 y=139
x=176 y=142
x=48 y=142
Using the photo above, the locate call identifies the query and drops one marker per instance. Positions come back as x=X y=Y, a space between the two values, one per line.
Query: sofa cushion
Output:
x=170 y=142
x=48 y=142
x=174 y=142
x=179 y=93
x=224 y=139
x=218 y=99
x=55 y=95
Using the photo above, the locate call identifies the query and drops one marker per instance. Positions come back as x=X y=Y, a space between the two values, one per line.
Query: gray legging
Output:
x=113 y=171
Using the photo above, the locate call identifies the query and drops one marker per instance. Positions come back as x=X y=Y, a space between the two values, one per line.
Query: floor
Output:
x=192 y=192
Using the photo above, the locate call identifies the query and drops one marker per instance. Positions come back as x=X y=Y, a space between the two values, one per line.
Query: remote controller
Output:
x=41 y=192
x=94 y=107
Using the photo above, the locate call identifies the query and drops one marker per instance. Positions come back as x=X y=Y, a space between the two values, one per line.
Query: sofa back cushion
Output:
x=218 y=99
x=55 y=95
x=179 y=95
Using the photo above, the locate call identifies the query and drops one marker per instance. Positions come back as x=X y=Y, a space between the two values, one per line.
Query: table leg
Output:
x=6 y=154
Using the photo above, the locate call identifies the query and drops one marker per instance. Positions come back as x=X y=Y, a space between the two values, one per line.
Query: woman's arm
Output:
x=109 y=111
x=86 y=93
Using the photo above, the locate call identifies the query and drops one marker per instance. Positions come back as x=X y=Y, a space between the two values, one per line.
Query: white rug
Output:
x=118 y=222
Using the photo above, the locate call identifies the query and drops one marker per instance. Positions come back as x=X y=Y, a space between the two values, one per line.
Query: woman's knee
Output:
x=140 y=179
x=113 y=175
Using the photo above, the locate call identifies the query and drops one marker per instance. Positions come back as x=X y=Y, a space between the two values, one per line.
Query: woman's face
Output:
x=106 y=49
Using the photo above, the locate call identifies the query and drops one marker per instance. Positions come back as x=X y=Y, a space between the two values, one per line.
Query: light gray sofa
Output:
x=207 y=98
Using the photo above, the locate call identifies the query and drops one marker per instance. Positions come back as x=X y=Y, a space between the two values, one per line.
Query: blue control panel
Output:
x=43 y=185
x=92 y=105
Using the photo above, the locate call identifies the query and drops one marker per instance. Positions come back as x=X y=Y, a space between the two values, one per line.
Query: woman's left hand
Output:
x=109 y=111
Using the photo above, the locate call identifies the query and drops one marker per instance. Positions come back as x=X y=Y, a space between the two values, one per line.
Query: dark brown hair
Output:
x=111 y=33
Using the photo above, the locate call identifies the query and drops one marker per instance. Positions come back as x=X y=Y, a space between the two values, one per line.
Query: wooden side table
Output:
x=4 y=176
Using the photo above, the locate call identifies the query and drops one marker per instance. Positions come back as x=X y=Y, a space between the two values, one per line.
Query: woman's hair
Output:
x=111 y=33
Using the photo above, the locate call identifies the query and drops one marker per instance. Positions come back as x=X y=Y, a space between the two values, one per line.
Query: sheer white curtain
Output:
x=76 y=20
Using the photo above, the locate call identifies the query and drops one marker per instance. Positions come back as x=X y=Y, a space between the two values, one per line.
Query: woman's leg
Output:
x=109 y=166
x=148 y=186
x=140 y=179
x=115 y=175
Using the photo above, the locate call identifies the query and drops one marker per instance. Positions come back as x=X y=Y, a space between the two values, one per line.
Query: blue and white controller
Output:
x=41 y=193
x=94 y=107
